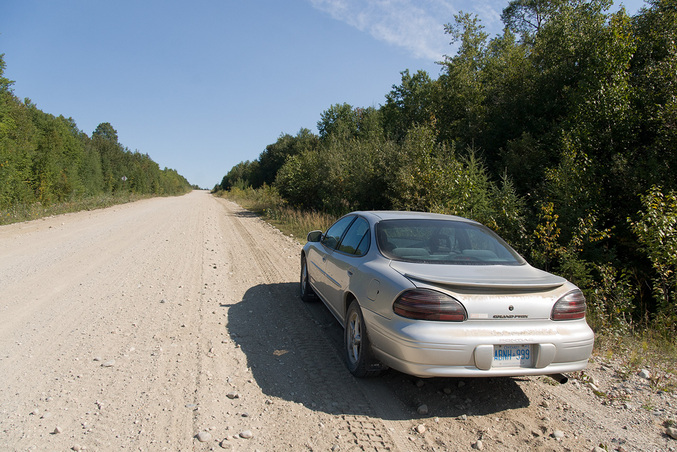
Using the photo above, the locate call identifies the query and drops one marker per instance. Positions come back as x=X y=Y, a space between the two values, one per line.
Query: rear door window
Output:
x=356 y=241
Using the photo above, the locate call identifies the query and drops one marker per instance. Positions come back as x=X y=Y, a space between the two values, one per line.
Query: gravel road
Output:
x=174 y=324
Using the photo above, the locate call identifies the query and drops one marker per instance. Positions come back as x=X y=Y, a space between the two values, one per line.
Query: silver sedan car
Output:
x=442 y=296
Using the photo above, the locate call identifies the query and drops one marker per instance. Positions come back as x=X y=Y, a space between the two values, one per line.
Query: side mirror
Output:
x=314 y=236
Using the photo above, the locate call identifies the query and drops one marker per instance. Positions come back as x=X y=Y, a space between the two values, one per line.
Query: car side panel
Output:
x=315 y=260
x=376 y=286
x=340 y=268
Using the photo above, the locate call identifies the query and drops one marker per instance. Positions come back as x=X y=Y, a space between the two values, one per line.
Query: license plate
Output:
x=512 y=356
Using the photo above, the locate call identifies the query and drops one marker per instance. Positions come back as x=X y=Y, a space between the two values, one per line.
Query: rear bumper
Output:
x=445 y=349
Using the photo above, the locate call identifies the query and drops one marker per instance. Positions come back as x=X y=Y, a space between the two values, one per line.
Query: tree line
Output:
x=47 y=159
x=560 y=133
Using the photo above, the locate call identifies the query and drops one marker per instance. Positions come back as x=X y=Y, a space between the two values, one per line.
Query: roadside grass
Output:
x=27 y=212
x=267 y=203
x=634 y=349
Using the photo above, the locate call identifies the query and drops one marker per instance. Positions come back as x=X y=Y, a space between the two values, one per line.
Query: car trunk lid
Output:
x=491 y=292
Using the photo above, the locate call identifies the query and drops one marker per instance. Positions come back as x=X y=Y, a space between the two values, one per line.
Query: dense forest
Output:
x=46 y=159
x=560 y=134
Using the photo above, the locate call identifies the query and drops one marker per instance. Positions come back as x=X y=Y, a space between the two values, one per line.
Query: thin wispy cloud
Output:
x=416 y=26
x=489 y=11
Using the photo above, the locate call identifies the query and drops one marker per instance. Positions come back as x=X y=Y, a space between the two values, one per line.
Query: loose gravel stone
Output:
x=420 y=428
x=558 y=434
x=247 y=434
x=644 y=374
x=109 y=363
x=671 y=432
x=233 y=395
x=422 y=409
x=203 y=437
x=479 y=445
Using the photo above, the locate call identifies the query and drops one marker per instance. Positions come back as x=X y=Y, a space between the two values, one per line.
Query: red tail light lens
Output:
x=426 y=304
x=570 y=307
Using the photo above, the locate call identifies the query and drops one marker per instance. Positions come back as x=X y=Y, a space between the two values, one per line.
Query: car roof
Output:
x=378 y=215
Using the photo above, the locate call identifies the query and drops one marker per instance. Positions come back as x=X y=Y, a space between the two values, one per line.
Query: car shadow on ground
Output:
x=294 y=350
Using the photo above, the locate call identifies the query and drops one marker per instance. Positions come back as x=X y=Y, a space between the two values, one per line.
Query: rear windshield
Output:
x=443 y=242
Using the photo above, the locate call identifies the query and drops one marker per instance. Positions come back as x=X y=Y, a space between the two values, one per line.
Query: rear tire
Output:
x=306 y=290
x=359 y=356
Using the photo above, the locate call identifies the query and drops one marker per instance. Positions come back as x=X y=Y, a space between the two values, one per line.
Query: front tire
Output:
x=359 y=356
x=306 y=290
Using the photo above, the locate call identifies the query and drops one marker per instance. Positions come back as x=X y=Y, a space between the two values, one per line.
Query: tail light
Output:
x=570 y=307
x=426 y=304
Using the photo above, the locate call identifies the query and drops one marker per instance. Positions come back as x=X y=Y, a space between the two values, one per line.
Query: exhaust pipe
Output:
x=559 y=378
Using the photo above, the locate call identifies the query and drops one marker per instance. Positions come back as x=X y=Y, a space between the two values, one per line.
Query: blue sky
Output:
x=203 y=85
